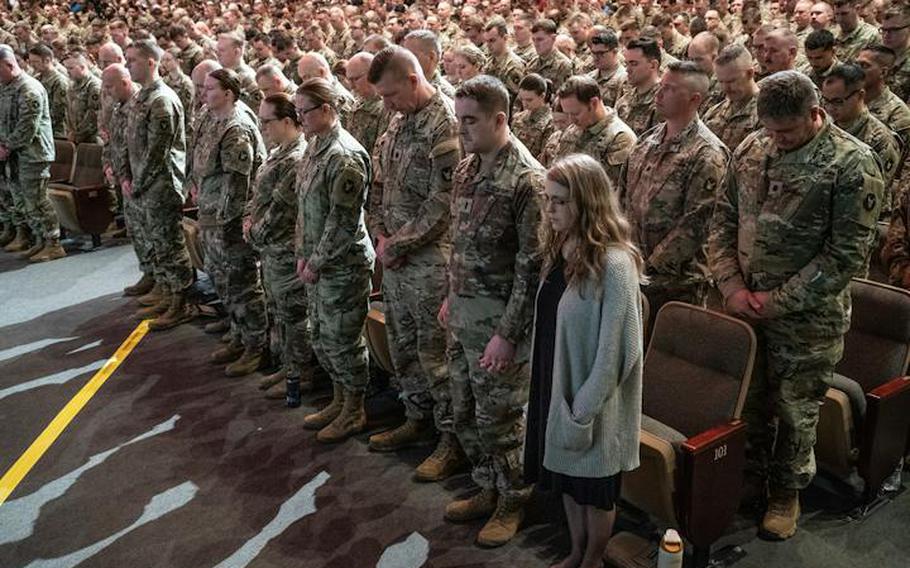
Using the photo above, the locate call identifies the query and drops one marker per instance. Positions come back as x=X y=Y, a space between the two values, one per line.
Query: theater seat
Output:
x=865 y=417
x=83 y=203
x=375 y=334
x=62 y=166
x=696 y=373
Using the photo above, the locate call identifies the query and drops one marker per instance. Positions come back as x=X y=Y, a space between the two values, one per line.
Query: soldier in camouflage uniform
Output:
x=855 y=34
x=608 y=71
x=116 y=82
x=26 y=150
x=425 y=46
x=226 y=154
x=313 y=65
x=180 y=83
x=896 y=36
x=83 y=100
x=41 y=58
x=156 y=152
x=534 y=125
x=736 y=117
x=703 y=49
x=880 y=99
x=549 y=63
x=668 y=188
x=842 y=97
x=369 y=119
x=636 y=106
x=521 y=30
x=230 y=55
x=269 y=227
x=596 y=130
x=502 y=62
x=792 y=228
x=334 y=255
x=191 y=53
x=492 y=280
x=409 y=218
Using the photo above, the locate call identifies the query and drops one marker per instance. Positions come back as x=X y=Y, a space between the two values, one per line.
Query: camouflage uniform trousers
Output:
x=7 y=211
x=162 y=212
x=412 y=296
x=134 y=216
x=28 y=185
x=231 y=262
x=286 y=299
x=793 y=370
x=488 y=408
x=338 y=304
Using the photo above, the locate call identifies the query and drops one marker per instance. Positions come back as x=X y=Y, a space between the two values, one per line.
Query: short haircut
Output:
x=545 y=25
x=897 y=10
x=41 y=50
x=282 y=41
x=148 y=48
x=392 y=59
x=786 y=94
x=499 y=24
x=851 y=74
x=233 y=38
x=228 y=80
x=694 y=75
x=489 y=92
x=820 y=39
x=648 y=47
x=427 y=40
x=581 y=87
x=883 y=55
x=472 y=54
x=537 y=84
x=735 y=52
x=269 y=70
x=605 y=38
x=629 y=25
x=320 y=91
x=662 y=20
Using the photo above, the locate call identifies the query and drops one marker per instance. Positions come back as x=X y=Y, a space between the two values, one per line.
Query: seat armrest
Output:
x=710 y=481
x=884 y=433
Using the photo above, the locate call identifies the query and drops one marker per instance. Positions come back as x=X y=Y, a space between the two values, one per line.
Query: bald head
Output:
x=357 y=71
x=703 y=49
x=116 y=81
x=202 y=70
x=313 y=66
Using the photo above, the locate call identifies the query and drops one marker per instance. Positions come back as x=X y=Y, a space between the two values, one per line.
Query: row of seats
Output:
x=694 y=387
x=78 y=191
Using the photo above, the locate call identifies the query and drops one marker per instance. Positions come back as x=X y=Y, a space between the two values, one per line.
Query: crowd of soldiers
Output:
x=757 y=148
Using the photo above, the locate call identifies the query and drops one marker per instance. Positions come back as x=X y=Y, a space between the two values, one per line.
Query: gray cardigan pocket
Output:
x=573 y=435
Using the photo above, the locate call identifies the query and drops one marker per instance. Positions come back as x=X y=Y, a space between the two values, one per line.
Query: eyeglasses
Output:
x=301 y=112
x=839 y=101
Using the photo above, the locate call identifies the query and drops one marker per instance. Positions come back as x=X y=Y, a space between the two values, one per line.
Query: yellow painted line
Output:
x=27 y=461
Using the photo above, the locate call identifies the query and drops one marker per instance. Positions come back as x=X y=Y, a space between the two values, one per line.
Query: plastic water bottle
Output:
x=292 y=398
x=670 y=554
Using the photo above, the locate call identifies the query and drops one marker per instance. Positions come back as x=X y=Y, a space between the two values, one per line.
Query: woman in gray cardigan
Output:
x=587 y=359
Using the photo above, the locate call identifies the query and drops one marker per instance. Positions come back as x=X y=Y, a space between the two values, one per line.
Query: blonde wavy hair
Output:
x=599 y=223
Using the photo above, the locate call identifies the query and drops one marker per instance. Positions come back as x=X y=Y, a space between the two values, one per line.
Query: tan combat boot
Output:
x=20 y=242
x=8 y=234
x=144 y=286
x=411 y=433
x=248 y=363
x=153 y=311
x=351 y=420
x=179 y=312
x=153 y=296
x=476 y=507
x=504 y=523
x=31 y=251
x=52 y=250
x=267 y=382
x=227 y=354
x=219 y=326
x=783 y=512
x=321 y=419
x=445 y=461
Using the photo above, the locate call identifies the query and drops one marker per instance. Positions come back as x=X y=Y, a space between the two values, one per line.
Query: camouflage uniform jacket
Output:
x=368 y=120
x=534 y=128
x=416 y=158
x=83 y=101
x=56 y=84
x=714 y=97
x=442 y=84
x=156 y=141
x=527 y=53
x=668 y=188
x=509 y=68
x=332 y=182
x=273 y=207
x=25 y=120
x=609 y=141
x=249 y=89
x=186 y=91
x=799 y=225
x=732 y=122
x=884 y=143
x=611 y=85
x=892 y=112
x=554 y=66
x=494 y=234
x=118 y=147
x=638 y=110
x=191 y=56
x=848 y=45
x=899 y=78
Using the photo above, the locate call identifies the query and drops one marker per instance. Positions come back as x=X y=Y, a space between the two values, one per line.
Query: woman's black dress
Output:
x=602 y=492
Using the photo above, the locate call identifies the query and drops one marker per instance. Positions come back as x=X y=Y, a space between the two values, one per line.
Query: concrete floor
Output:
x=171 y=464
